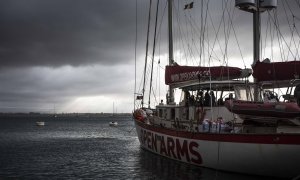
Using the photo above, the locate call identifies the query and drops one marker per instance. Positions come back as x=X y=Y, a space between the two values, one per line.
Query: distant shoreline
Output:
x=57 y=115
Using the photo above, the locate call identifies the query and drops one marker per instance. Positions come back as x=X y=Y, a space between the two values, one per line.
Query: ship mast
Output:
x=146 y=57
x=256 y=44
x=170 y=98
x=256 y=34
x=256 y=7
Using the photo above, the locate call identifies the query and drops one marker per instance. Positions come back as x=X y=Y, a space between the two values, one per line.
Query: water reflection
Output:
x=157 y=167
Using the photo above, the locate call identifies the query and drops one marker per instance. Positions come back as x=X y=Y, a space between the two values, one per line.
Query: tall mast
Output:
x=171 y=57
x=145 y=67
x=170 y=28
x=153 y=52
x=256 y=34
x=256 y=43
x=256 y=7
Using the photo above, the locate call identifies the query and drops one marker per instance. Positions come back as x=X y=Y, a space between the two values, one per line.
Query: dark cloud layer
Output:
x=65 y=32
x=53 y=52
x=32 y=88
x=81 y=32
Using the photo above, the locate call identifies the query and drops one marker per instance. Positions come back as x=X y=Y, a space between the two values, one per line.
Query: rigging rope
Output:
x=135 y=51
x=290 y=26
x=153 y=52
x=280 y=35
x=147 y=42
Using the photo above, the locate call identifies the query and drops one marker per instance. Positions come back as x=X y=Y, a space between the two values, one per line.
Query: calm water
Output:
x=86 y=148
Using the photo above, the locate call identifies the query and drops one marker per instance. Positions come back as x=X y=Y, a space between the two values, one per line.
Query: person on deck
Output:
x=206 y=98
x=213 y=98
x=199 y=98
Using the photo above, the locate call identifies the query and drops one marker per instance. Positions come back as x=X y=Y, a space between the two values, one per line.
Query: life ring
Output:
x=139 y=115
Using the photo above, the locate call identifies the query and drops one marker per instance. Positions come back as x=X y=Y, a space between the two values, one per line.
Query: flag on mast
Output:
x=139 y=97
x=189 y=6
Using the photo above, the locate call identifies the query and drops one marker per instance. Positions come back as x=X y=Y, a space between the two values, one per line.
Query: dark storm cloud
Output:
x=58 y=51
x=80 y=32
x=43 y=87
x=63 y=82
x=65 y=32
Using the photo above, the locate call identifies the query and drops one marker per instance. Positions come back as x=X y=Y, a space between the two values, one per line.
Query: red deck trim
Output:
x=289 y=139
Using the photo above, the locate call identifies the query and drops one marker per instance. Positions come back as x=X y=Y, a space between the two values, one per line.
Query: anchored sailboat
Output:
x=220 y=121
x=113 y=123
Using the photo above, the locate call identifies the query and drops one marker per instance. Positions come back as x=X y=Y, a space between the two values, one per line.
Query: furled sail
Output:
x=276 y=71
x=178 y=74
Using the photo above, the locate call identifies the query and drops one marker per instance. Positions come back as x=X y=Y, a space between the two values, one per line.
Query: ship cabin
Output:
x=288 y=91
x=202 y=103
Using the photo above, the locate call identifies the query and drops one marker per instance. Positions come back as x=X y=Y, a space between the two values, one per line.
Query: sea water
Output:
x=85 y=147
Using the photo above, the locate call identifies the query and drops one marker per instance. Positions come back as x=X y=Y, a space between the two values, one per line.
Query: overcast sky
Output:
x=77 y=55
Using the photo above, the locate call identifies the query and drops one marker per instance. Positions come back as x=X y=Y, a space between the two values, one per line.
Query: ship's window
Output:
x=160 y=112
x=173 y=113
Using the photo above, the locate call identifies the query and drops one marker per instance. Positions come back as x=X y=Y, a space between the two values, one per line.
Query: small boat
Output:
x=265 y=112
x=113 y=123
x=40 y=123
x=268 y=107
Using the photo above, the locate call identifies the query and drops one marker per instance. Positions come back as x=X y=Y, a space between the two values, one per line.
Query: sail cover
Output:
x=276 y=71
x=177 y=74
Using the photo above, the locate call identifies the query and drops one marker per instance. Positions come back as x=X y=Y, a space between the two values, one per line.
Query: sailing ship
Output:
x=113 y=123
x=221 y=120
